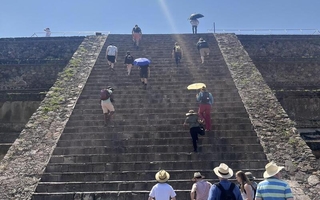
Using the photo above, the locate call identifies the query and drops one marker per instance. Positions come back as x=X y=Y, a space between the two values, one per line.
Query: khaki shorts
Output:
x=204 y=51
x=107 y=106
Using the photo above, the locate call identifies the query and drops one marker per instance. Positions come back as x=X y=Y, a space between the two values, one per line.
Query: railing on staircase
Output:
x=70 y=33
x=267 y=31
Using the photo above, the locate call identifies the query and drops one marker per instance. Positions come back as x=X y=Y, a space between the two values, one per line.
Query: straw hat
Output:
x=250 y=176
x=197 y=175
x=271 y=169
x=162 y=176
x=223 y=171
x=191 y=112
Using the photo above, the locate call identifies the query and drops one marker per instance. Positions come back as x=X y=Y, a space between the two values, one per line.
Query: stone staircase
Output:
x=96 y=162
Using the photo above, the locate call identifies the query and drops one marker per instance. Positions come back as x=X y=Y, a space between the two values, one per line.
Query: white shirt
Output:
x=48 y=32
x=194 y=22
x=162 y=191
x=112 y=50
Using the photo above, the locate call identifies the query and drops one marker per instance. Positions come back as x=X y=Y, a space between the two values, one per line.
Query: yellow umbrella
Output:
x=196 y=86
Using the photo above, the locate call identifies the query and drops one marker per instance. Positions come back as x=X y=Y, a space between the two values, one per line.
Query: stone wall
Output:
x=37 y=50
x=23 y=165
x=34 y=62
x=302 y=107
x=14 y=115
x=291 y=67
x=277 y=133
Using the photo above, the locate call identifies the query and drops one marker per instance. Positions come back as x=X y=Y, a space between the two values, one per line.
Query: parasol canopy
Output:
x=195 y=16
x=196 y=86
x=141 y=62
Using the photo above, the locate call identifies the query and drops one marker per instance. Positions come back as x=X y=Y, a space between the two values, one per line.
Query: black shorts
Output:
x=112 y=59
x=143 y=72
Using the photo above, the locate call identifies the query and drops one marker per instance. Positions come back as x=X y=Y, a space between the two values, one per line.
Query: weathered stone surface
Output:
x=21 y=168
x=313 y=180
x=277 y=133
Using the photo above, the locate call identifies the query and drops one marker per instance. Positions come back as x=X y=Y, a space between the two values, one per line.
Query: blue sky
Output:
x=22 y=18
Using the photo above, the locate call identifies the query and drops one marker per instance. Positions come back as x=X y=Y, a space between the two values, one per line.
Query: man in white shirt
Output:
x=162 y=190
x=112 y=54
x=194 y=23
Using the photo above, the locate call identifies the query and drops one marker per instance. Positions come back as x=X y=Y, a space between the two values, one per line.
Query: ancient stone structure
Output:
x=96 y=162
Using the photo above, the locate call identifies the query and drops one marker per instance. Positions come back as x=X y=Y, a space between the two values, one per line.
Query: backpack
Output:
x=177 y=49
x=226 y=194
x=104 y=94
x=205 y=98
x=129 y=59
x=203 y=44
x=136 y=29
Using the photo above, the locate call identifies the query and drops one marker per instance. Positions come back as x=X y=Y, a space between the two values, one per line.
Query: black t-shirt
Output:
x=136 y=30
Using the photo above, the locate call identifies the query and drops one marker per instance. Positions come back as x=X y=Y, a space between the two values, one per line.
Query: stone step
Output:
x=191 y=100
x=176 y=94
x=105 y=186
x=148 y=93
x=176 y=134
x=104 y=195
x=184 y=139
x=8 y=137
x=155 y=120
x=177 y=100
x=108 y=153
x=171 y=84
x=147 y=122
x=178 y=103
x=126 y=175
x=151 y=128
x=215 y=116
x=154 y=108
x=180 y=153
x=124 y=86
x=153 y=165
x=4 y=148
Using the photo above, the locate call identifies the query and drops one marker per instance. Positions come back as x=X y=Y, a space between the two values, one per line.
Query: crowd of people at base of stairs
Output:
x=272 y=188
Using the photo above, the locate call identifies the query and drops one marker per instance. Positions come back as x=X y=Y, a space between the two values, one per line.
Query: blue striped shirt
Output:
x=273 y=189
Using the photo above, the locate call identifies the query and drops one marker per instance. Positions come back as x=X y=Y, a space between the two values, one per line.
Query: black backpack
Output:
x=226 y=194
x=129 y=59
x=205 y=98
x=137 y=29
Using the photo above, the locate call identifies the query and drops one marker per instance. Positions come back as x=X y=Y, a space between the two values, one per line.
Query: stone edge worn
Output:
x=27 y=158
x=277 y=133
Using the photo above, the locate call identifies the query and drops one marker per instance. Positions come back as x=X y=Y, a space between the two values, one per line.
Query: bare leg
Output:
x=129 y=69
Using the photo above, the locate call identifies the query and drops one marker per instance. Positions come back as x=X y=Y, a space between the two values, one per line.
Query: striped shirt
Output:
x=273 y=189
